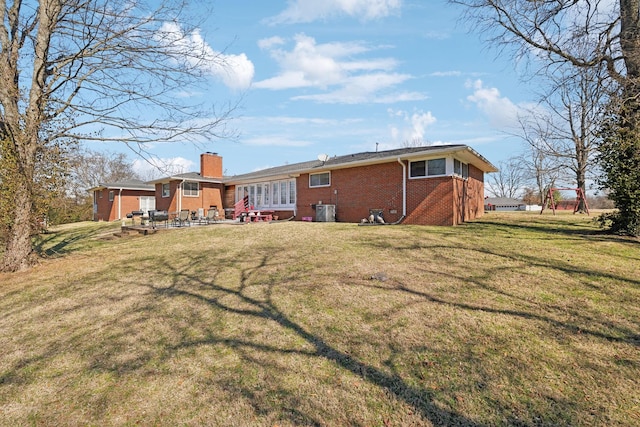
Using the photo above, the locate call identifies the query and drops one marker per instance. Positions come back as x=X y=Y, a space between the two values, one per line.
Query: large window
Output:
x=190 y=189
x=433 y=167
x=320 y=179
x=166 y=190
x=267 y=195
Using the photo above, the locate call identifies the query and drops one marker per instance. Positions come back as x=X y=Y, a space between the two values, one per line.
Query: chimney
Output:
x=210 y=165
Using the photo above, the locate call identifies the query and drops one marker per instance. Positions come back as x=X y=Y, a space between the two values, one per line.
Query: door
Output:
x=147 y=203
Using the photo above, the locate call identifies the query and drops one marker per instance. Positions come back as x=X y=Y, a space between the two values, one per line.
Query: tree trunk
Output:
x=18 y=253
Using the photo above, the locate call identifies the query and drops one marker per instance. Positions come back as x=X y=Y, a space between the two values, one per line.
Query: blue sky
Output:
x=342 y=76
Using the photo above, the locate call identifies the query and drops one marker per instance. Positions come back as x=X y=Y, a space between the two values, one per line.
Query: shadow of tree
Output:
x=49 y=244
x=192 y=286
x=582 y=322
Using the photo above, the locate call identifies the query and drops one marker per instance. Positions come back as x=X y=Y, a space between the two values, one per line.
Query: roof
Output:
x=127 y=184
x=502 y=201
x=189 y=176
x=464 y=152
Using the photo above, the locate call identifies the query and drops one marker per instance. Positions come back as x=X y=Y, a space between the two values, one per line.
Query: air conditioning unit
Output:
x=325 y=213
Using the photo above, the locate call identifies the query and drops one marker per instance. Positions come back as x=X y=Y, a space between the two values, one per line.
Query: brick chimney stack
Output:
x=210 y=165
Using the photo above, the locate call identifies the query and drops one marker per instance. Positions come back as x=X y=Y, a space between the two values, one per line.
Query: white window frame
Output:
x=268 y=195
x=462 y=170
x=328 y=184
x=166 y=189
x=427 y=174
x=189 y=192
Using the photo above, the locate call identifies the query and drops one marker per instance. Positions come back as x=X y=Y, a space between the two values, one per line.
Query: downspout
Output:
x=180 y=195
x=404 y=187
x=120 y=203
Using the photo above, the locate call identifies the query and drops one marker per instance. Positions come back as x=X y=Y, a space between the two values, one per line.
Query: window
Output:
x=166 y=190
x=418 y=168
x=292 y=192
x=460 y=168
x=100 y=194
x=431 y=167
x=283 y=192
x=267 y=195
x=274 y=193
x=111 y=195
x=437 y=167
x=190 y=189
x=320 y=179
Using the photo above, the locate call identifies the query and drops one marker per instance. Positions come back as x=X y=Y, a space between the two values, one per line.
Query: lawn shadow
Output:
x=47 y=244
x=582 y=325
x=549 y=228
x=186 y=285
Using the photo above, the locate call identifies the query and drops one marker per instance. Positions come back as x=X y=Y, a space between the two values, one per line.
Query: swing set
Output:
x=550 y=201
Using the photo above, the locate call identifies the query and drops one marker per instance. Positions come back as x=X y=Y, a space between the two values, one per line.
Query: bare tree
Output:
x=105 y=70
x=539 y=168
x=509 y=181
x=563 y=133
x=90 y=168
x=582 y=34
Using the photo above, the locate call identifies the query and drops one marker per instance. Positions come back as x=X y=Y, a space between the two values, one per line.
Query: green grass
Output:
x=515 y=319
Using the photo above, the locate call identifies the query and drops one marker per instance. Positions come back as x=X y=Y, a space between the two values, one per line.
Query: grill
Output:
x=158 y=216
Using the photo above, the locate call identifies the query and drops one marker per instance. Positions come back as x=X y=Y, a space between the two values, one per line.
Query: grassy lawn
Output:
x=515 y=319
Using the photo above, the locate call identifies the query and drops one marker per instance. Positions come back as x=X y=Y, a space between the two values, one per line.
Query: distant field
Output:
x=516 y=319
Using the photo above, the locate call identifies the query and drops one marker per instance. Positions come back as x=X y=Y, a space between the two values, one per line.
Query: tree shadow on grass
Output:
x=546 y=228
x=582 y=323
x=186 y=285
x=51 y=244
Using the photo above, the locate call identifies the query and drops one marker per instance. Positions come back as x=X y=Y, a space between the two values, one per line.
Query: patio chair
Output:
x=183 y=218
x=212 y=216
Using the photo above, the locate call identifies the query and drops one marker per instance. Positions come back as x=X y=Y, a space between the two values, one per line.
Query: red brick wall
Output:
x=469 y=196
x=430 y=201
x=210 y=194
x=108 y=210
x=210 y=165
x=354 y=191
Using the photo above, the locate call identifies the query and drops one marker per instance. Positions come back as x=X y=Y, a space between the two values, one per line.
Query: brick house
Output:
x=113 y=201
x=435 y=185
x=196 y=191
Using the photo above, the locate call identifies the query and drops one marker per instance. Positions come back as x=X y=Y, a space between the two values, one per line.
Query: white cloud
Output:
x=414 y=127
x=308 y=121
x=278 y=141
x=501 y=112
x=235 y=71
x=446 y=74
x=332 y=67
x=270 y=42
x=300 y=11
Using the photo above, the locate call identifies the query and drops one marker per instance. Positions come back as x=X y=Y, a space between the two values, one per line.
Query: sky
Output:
x=345 y=76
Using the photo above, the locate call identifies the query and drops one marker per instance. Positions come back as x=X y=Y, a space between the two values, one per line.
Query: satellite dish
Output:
x=323 y=157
